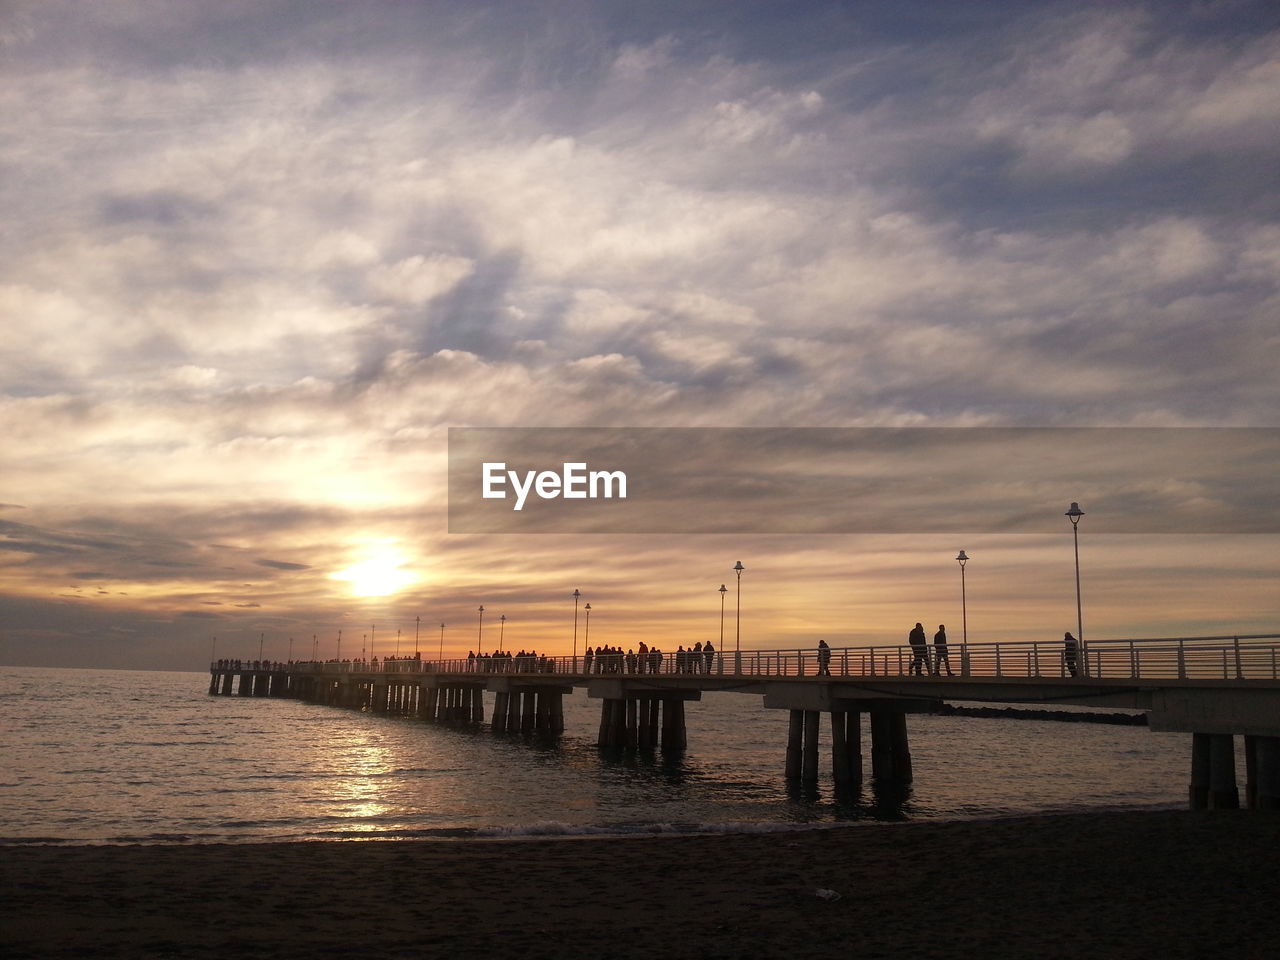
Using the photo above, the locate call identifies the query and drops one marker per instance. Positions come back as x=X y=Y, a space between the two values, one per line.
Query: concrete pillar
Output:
x=528 y=715
x=795 y=743
x=556 y=709
x=901 y=748
x=674 y=735
x=1251 y=772
x=839 y=749
x=1267 y=752
x=542 y=714
x=654 y=706
x=881 y=744
x=499 y=721
x=809 y=759
x=631 y=722
x=606 y=717
x=853 y=744
x=1223 y=792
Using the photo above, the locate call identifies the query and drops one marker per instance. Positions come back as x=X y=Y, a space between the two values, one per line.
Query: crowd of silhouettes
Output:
x=504 y=661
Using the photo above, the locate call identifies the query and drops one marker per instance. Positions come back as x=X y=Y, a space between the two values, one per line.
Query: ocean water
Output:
x=94 y=756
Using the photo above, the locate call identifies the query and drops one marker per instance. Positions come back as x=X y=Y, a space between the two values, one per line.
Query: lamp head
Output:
x=587 y=608
x=962 y=558
x=723 y=588
x=739 y=567
x=1075 y=513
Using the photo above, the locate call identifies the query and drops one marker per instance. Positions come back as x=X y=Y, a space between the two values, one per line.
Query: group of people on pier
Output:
x=648 y=660
x=504 y=661
x=257 y=665
x=922 y=665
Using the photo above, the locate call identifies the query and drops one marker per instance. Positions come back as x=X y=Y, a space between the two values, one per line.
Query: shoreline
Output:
x=1116 y=884
x=553 y=830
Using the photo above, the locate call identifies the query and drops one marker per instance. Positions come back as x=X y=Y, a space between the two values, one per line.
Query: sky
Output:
x=258 y=257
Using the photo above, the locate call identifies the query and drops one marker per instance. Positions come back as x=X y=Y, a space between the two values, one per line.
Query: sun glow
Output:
x=380 y=574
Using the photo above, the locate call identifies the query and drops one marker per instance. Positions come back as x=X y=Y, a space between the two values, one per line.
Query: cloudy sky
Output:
x=257 y=257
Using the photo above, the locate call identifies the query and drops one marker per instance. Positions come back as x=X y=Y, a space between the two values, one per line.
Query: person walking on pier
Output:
x=940 y=652
x=919 y=652
x=1070 y=648
x=824 y=659
x=709 y=652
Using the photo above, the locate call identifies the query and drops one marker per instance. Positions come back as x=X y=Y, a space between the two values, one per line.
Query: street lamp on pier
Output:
x=1074 y=513
x=480 y=633
x=502 y=630
x=964 y=606
x=576 y=596
x=737 y=628
x=586 y=632
x=723 y=591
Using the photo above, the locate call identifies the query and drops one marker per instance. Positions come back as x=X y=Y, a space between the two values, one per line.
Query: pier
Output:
x=1214 y=688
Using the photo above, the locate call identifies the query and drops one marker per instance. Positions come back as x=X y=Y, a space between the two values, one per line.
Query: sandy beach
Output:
x=1114 y=885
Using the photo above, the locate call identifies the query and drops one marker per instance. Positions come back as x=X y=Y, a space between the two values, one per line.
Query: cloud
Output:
x=263 y=255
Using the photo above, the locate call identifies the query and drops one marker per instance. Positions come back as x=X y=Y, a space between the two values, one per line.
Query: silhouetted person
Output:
x=940 y=651
x=919 y=651
x=709 y=653
x=824 y=659
x=1070 y=648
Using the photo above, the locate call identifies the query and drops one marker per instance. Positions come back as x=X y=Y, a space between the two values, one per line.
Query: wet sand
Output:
x=1113 y=885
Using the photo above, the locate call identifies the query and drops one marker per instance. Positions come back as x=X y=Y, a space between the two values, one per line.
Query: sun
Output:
x=380 y=574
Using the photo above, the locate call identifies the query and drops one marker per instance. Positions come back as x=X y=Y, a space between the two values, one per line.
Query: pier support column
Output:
x=674 y=734
x=795 y=743
x=529 y=712
x=542 y=714
x=809 y=760
x=890 y=749
x=499 y=721
x=846 y=747
x=607 y=735
x=1250 y=772
x=631 y=722
x=1223 y=792
x=556 y=710
x=1267 y=752
x=1198 y=790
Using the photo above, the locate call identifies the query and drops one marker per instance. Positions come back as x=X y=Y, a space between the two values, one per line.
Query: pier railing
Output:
x=1245 y=657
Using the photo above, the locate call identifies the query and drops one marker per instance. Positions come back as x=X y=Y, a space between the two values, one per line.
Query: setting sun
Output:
x=380 y=574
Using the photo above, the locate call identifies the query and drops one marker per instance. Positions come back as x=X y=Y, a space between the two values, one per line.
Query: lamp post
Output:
x=338 y=655
x=291 y=649
x=502 y=630
x=586 y=632
x=441 y=656
x=261 y=638
x=964 y=606
x=1074 y=513
x=723 y=591
x=373 y=630
x=480 y=633
x=737 y=627
x=397 y=643
x=417 y=625
x=576 y=596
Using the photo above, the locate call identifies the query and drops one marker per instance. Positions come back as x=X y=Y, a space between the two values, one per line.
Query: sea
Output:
x=142 y=757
